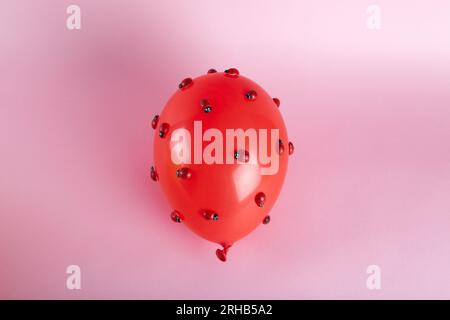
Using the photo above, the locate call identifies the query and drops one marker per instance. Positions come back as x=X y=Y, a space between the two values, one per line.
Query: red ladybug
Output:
x=219 y=200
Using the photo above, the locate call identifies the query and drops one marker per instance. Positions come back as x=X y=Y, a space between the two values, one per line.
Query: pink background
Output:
x=369 y=112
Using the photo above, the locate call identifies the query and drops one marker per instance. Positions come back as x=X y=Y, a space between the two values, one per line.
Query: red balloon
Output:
x=221 y=201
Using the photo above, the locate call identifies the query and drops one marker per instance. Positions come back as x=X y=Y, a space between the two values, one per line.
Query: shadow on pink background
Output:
x=369 y=112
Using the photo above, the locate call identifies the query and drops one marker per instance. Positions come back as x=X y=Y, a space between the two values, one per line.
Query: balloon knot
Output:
x=222 y=253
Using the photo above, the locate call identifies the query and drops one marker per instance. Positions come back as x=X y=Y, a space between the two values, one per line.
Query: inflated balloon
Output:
x=219 y=153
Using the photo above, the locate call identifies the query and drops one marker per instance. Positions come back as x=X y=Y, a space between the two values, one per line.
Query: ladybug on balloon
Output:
x=220 y=155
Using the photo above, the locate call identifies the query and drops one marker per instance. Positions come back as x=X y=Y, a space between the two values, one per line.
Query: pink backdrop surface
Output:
x=369 y=112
